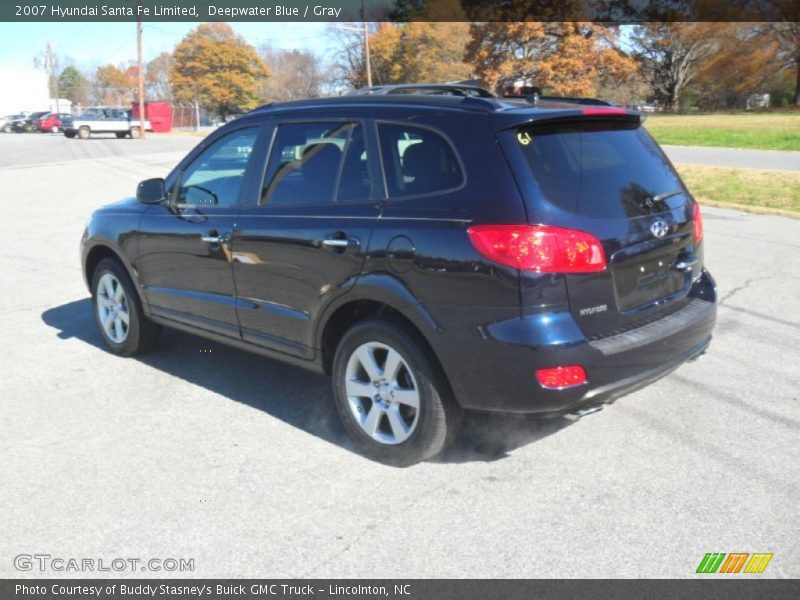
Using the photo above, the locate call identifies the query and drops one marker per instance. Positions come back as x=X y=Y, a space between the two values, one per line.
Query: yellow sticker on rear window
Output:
x=524 y=138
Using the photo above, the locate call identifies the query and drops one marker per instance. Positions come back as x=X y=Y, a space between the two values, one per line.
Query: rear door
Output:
x=302 y=244
x=607 y=177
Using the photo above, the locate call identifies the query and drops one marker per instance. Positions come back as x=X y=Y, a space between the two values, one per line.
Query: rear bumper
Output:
x=496 y=369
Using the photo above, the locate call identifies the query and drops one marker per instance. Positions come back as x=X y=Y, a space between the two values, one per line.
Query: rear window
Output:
x=600 y=169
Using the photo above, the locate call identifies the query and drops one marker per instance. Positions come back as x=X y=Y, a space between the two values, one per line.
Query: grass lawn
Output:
x=763 y=131
x=747 y=188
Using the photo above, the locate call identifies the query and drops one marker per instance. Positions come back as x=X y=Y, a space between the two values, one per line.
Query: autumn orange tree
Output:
x=113 y=85
x=217 y=68
x=419 y=52
x=564 y=58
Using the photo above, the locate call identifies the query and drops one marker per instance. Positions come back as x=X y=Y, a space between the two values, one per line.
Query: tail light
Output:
x=561 y=377
x=697 y=217
x=539 y=248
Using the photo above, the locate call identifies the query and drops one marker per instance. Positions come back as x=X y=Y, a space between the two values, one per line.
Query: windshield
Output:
x=602 y=169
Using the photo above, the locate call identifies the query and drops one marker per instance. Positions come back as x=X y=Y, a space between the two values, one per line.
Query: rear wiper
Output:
x=665 y=195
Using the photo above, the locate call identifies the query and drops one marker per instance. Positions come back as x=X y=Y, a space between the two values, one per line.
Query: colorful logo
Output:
x=736 y=562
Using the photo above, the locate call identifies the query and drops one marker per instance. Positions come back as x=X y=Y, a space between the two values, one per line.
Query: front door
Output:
x=185 y=244
x=303 y=243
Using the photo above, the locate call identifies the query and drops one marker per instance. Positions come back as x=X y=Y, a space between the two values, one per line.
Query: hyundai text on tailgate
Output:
x=433 y=248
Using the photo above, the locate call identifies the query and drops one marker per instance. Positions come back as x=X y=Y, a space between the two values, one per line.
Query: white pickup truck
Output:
x=103 y=120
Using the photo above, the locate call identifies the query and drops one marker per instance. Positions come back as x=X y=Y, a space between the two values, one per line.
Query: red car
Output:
x=52 y=122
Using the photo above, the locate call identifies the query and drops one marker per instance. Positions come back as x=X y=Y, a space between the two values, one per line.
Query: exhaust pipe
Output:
x=579 y=413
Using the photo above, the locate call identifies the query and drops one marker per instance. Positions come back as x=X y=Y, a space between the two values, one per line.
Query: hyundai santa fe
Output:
x=434 y=249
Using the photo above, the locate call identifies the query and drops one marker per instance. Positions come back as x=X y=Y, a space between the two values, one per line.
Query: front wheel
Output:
x=390 y=396
x=118 y=312
x=84 y=133
x=136 y=133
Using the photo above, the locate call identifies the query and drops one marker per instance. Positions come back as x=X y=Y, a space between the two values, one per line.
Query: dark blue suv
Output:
x=432 y=248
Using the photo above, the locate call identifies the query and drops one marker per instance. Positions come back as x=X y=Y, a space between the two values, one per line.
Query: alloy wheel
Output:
x=112 y=308
x=382 y=393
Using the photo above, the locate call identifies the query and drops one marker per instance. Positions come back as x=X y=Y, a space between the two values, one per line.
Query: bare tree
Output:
x=671 y=55
x=296 y=74
x=157 y=80
x=348 y=68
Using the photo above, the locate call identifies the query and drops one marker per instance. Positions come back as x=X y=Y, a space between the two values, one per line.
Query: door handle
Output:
x=214 y=237
x=341 y=243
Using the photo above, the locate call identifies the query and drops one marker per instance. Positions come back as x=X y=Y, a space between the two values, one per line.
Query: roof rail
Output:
x=454 y=89
x=534 y=98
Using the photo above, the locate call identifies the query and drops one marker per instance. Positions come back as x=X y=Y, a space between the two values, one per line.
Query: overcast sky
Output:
x=89 y=45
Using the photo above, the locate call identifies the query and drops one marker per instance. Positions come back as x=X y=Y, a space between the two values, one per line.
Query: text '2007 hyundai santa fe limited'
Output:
x=434 y=249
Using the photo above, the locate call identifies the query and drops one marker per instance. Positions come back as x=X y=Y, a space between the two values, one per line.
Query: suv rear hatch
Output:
x=598 y=171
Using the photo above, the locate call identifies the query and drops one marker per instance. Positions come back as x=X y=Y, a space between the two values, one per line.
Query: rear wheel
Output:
x=390 y=397
x=121 y=135
x=84 y=133
x=136 y=132
x=118 y=312
x=69 y=134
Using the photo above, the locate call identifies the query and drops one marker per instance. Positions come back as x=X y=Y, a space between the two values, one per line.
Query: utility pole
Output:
x=50 y=64
x=364 y=30
x=366 y=45
x=142 y=132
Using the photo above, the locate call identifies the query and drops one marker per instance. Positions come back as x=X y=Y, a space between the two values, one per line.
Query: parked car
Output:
x=29 y=123
x=52 y=122
x=103 y=120
x=432 y=253
x=7 y=122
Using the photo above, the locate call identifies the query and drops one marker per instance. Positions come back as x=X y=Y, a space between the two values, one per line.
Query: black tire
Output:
x=84 y=132
x=142 y=334
x=121 y=135
x=69 y=134
x=438 y=416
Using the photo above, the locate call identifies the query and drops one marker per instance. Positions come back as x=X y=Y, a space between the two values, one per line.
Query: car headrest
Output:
x=417 y=159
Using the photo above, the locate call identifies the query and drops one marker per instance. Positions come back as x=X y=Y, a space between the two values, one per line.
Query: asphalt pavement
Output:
x=737 y=158
x=203 y=452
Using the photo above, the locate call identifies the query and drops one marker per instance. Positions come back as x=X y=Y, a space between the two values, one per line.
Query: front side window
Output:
x=215 y=177
x=317 y=163
x=417 y=161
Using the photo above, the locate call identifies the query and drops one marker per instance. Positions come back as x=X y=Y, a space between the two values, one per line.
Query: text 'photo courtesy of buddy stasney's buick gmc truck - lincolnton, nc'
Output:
x=433 y=248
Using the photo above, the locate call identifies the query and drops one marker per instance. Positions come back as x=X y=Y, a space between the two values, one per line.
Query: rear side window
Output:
x=317 y=163
x=600 y=169
x=417 y=161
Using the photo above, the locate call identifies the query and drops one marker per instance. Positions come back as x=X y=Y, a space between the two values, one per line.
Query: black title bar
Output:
x=607 y=11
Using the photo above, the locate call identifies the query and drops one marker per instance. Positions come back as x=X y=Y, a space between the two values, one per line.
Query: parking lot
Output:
x=205 y=452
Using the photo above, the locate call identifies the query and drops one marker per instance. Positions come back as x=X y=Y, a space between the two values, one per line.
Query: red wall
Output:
x=158 y=113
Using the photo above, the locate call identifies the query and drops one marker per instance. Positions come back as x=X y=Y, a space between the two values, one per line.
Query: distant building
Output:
x=23 y=90
x=758 y=101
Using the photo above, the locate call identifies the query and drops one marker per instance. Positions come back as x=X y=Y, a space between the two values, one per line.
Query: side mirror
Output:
x=151 y=191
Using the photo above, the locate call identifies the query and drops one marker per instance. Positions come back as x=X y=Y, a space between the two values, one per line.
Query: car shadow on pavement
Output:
x=298 y=397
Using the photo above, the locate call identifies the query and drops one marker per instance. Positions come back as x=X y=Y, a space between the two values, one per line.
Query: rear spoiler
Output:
x=508 y=120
